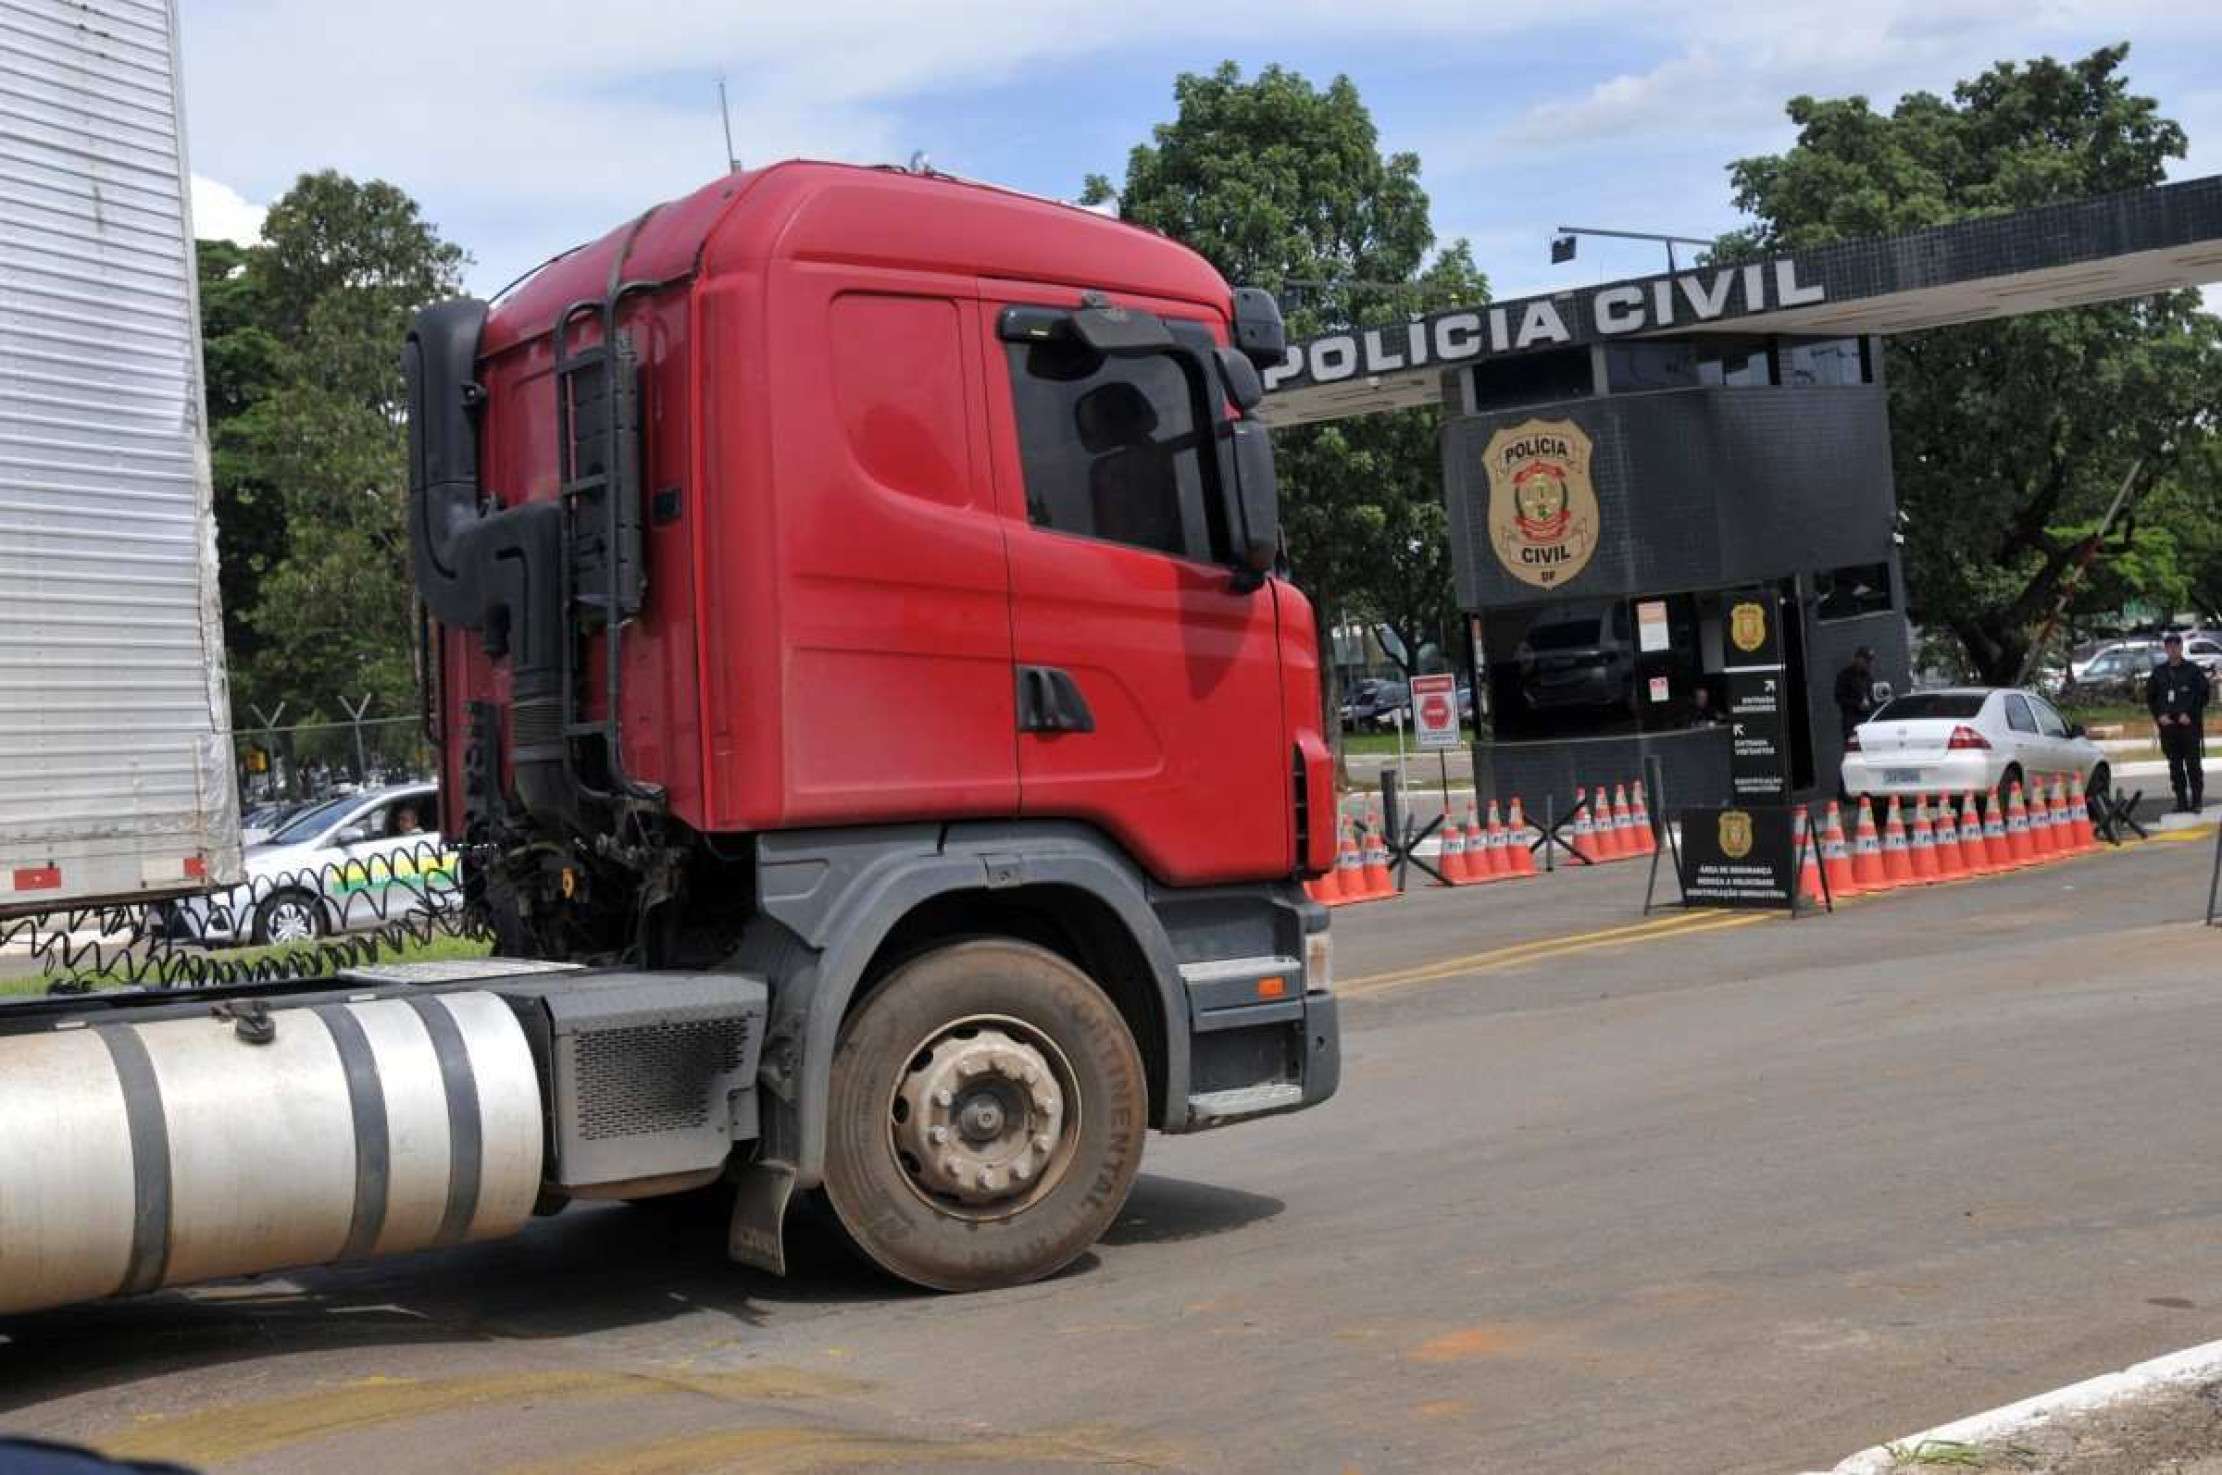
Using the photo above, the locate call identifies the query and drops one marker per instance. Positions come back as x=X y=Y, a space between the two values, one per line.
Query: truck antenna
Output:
x=725 y=116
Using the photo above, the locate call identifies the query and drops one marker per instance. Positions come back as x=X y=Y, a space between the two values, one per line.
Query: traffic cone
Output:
x=1836 y=856
x=1450 y=855
x=1348 y=879
x=1521 y=858
x=1867 y=852
x=1495 y=847
x=1647 y=842
x=1623 y=825
x=2018 y=843
x=1996 y=851
x=1924 y=856
x=1379 y=883
x=1973 y=855
x=2077 y=806
x=1897 y=860
x=1584 y=828
x=2042 y=840
x=1951 y=866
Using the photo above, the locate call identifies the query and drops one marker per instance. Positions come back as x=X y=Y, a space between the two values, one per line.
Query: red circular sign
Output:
x=1435 y=710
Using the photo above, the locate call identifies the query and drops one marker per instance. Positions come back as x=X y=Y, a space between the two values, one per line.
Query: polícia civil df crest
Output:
x=1542 y=505
x=1735 y=834
x=1747 y=626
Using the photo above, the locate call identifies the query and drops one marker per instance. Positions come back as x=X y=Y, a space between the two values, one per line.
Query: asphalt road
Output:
x=1702 y=1193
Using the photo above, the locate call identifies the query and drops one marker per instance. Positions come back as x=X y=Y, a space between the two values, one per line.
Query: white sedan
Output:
x=353 y=862
x=1968 y=740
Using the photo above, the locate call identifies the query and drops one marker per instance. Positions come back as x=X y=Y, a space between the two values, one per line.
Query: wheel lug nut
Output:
x=1041 y=1142
x=937 y=1135
x=945 y=1097
x=1018 y=1172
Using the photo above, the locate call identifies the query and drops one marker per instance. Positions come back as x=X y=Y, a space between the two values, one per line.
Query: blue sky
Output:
x=524 y=126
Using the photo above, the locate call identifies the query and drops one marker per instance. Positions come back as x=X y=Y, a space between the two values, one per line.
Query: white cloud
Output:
x=221 y=213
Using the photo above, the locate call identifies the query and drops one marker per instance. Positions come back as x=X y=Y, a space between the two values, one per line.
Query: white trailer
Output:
x=116 y=777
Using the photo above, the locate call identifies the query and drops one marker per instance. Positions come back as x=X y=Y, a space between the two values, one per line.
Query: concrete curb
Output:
x=2192 y=1365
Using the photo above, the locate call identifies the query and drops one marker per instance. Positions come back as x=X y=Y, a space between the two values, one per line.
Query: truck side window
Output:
x=1110 y=447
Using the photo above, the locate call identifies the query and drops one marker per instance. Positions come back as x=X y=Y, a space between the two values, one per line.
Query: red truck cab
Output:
x=838 y=566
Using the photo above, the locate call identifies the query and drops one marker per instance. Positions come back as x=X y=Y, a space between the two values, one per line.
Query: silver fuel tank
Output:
x=134 y=1156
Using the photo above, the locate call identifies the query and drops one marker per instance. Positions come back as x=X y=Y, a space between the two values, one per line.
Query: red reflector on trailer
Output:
x=196 y=867
x=38 y=878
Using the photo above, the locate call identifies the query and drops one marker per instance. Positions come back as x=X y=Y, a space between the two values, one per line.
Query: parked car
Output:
x=349 y=863
x=1967 y=739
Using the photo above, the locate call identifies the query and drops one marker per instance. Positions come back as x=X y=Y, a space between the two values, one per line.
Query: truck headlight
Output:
x=1319 y=962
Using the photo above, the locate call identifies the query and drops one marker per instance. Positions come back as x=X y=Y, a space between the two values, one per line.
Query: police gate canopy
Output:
x=1631 y=469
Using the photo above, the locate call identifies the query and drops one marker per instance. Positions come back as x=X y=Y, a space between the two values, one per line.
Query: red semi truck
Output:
x=877 y=735
x=865 y=580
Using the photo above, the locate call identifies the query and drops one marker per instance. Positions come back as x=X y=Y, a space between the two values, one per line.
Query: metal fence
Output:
x=309 y=761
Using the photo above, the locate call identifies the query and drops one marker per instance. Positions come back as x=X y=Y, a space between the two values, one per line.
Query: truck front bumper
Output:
x=1265 y=1038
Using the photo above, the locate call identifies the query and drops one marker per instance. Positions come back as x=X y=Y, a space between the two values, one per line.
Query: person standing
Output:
x=2176 y=695
x=1855 y=689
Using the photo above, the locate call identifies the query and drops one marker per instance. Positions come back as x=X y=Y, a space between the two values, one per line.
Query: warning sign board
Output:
x=1435 y=711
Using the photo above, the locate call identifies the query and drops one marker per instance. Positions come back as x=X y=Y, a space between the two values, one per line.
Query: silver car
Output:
x=1968 y=740
x=348 y=863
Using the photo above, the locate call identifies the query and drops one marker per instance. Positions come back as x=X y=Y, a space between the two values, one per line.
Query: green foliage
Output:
x=2012 y=438
x=302 y=336
x=1283 y=185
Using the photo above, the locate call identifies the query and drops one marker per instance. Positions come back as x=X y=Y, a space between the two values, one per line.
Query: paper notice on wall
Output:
x=1651 y=629
x=1658 y=688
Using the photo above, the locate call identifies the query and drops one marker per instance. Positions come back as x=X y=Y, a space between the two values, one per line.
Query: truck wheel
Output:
x=289 y=916
x=985 y=1117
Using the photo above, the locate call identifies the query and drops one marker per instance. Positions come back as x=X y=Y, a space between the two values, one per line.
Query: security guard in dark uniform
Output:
x=2176 y=695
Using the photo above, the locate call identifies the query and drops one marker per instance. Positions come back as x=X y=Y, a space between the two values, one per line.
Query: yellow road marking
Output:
x=1676 y=925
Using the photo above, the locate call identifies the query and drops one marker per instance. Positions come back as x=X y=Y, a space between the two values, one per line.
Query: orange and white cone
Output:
x=1897 y=858
x=1647 y=842
x=1867 y=852
x=1951 y=866
x=1923 y=842
x=2070 y=800
x=2018 y=843
x=1584 y=828
x=1836 y=856
x=1974 y=858
x=1450 y=855
x=1623 y=837
x=2042 y=840
x=1521 y=859
x=1349 y=876
x=1496 y=848
x=1996 y=850
x=1379 y=883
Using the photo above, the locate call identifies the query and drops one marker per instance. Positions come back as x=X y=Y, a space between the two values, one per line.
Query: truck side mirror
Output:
x=1244 y=386
x=1256 y=497
x=1258 y=330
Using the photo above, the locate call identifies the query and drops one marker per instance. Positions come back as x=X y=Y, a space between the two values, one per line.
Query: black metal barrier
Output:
x=305 y=922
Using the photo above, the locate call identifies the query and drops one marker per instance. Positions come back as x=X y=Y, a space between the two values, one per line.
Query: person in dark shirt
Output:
x=1855 y=689
x=2176 y=695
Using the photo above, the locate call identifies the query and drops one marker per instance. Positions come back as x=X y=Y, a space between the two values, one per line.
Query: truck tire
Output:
x=984 y=1118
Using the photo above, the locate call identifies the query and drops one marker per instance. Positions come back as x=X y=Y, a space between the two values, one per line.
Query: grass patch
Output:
x=438 y=949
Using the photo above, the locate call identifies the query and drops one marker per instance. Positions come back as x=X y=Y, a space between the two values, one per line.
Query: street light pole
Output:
x=1567 y=233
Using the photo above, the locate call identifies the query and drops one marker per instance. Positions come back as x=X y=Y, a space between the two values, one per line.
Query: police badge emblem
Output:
x=1542 y=505
x=1735 y=834
x=1747 y=626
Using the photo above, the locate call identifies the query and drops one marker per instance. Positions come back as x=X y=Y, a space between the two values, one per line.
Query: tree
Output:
x=1283 y=185
x=306 y=408
x=2010 y=438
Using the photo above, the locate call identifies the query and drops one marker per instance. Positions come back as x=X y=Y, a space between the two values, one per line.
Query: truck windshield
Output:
x=304 y=825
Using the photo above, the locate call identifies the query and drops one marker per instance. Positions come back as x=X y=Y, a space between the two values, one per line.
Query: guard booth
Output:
x=1640 y=470
x=1613 y=507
